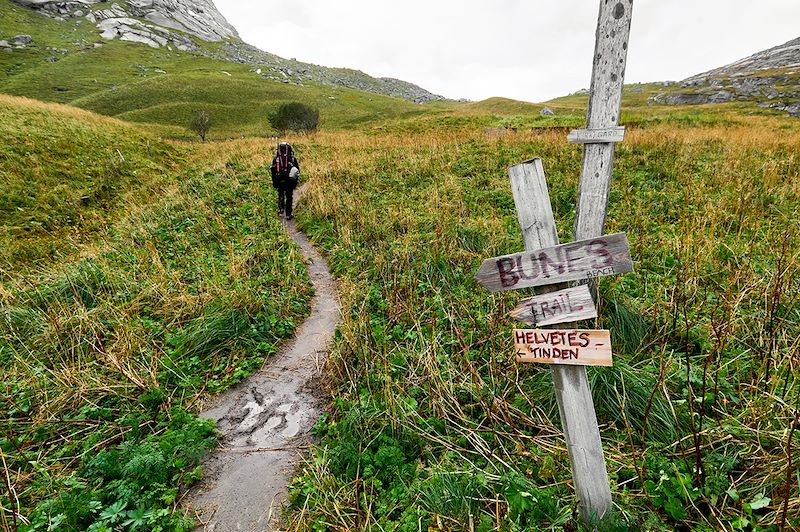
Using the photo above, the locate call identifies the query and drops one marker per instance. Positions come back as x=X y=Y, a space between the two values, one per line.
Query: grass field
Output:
x=140 y=274
x=155 y=276
x=434 y=425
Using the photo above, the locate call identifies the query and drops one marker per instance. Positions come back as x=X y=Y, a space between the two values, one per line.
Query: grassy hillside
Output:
x=134 y=284
x=106 y=342
x=138 y=276
x=164 y=87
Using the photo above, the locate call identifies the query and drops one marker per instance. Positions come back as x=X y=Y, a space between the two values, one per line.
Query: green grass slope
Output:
x=65 y=175
x=132 y=285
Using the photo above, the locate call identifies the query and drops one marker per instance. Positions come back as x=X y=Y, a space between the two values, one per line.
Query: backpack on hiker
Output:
x=285 y=169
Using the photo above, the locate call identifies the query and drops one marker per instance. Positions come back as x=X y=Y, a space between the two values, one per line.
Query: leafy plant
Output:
x=294 y=116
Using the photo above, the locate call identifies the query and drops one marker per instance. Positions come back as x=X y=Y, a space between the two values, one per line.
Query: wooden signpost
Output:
x=595 y=136
x=591 y=255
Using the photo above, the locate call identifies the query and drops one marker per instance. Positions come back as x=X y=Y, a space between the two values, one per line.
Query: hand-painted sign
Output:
x=571 y=304
x=585 y=259
x=573 y=346
x=596 y=136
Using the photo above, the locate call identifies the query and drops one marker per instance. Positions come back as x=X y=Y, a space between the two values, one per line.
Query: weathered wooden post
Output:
x=575 y=404
x=591 y=256
x=605 y=97
x=602 y=120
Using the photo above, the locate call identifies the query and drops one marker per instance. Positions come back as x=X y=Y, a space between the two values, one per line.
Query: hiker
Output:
x=285 y=175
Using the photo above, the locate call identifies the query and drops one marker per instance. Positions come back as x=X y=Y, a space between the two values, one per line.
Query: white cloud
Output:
x=529 y=50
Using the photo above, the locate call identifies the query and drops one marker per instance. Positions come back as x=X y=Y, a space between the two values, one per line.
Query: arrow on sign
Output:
x=584 y=259
x=573 y=346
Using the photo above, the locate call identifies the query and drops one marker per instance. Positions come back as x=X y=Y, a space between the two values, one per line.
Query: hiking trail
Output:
x=267 y=418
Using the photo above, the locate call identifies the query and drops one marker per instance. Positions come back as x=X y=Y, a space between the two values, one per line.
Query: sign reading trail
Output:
x=584 y=259
x=573 y=346
x=571 y=304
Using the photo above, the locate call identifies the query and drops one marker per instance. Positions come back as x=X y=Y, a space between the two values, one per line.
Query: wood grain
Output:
x=570 y=304
x=608 y=73
x=592 y=136
x=585 y=259
x=579 y=347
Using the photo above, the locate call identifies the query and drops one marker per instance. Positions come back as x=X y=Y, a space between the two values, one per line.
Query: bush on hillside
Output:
x=294 y=116
x=201 y=123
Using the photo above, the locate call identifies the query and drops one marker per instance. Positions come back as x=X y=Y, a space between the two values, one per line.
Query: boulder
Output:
x=22 y=40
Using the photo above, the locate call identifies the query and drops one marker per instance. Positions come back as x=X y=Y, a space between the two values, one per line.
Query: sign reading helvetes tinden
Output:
x=584 y=259
x=572 y=346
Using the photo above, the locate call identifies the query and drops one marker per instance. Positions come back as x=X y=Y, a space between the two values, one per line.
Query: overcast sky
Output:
x=530 y=50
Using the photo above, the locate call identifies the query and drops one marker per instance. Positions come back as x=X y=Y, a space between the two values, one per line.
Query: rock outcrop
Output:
x=770 y=78
x=152 y=19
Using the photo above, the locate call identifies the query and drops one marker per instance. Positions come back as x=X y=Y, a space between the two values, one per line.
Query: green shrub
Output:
x=295 y=116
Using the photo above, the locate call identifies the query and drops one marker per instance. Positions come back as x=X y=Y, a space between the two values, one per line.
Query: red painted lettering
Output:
x=545 y=262
x=521 y=270
x=599 y=247
x=584 y=336
x=508 y=277
x=574 y=308
x=570 y=259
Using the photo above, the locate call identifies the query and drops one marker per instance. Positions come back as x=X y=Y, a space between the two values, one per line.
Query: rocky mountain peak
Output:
x=177 y=23
x=145 y=21
x=779 y=57
x=771 y=78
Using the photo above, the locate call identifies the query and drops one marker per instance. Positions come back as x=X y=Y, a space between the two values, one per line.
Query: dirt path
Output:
x=267 y=418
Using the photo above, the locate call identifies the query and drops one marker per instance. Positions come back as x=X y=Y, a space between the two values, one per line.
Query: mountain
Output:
x=770 y=78
x=186 y=25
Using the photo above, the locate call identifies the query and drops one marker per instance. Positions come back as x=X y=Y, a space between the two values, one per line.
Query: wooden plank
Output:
x=591 y=136
x=605 y=97
x=576 y=261
x=579 y=347
x=570 y=304
x=529 y=188
x=572 y=388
